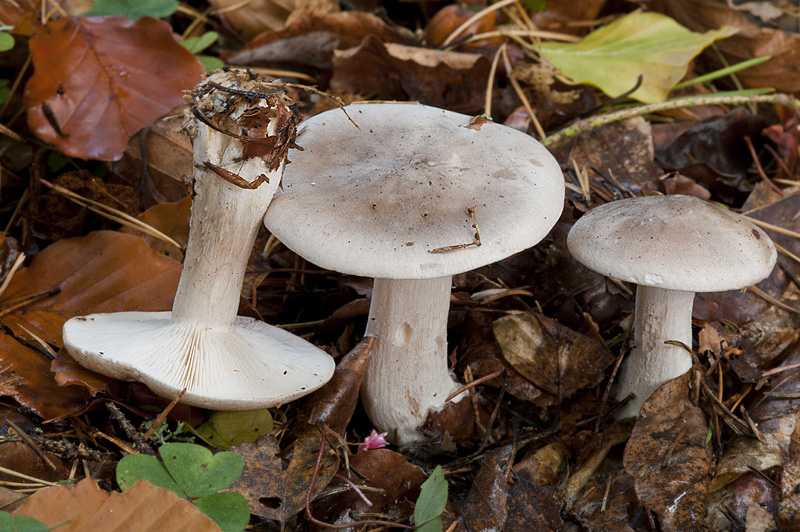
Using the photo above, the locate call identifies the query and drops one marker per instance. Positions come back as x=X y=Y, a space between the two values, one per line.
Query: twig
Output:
x=27 y=439
x=590 y=123
x=759 y=168
x=476 y=382
x=355 y=488
x=163 y=414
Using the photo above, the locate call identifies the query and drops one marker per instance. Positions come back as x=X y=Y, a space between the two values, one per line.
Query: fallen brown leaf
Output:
x=99 y=80
x=669 y=459
x=86 y=508
x=104 y=271
x=485 y=505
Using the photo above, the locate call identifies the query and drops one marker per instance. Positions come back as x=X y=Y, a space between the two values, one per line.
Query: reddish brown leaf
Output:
x=68 y=373
x=668 y=457
x=99 y=80
x=28 y=379
x=172 y=219
x=104 y=271
x=388 y=71
x=616 y=512
x=531 y=507
x=87 y=508
x=275 y=482
x=311 y=41
x=335 y=402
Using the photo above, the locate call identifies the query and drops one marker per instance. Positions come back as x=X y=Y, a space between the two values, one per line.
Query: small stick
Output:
x=355 y=488
x=605 y=495
x=162 y=415
x=476 y=382
x=678 y=438
x=26 y=477
x=129 y=429
x=763 y=175
x=477 y=243
x=234 y=179
x=27 y=439
x=16 y=304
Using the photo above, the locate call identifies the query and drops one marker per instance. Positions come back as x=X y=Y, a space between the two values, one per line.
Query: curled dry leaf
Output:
x=104 y=271
x=86 y=508
x=275 y=482
x=311 y=41
x=255 y=16
x=668 y=457
x=550 y=355
x=389 y=71
x=99 y=80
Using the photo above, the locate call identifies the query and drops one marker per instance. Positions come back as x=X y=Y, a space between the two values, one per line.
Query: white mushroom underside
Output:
x=243 y=367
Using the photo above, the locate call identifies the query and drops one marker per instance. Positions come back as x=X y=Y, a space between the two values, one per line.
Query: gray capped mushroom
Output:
x=670 y=247
x=415 y=195
x=223 y=361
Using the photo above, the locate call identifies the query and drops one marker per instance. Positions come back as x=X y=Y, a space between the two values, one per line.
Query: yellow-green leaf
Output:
x=647 y=44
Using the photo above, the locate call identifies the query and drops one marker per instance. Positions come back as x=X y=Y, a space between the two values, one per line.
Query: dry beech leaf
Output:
x=673 y=485
x=99 y=80
x=388 y=71
x=275 y=482
x=172 y=219
x=789 y=503
x=104 y=271
x=255 y=16
x=311 y=41
x=87 y=508
x=68 y=373
x=550 y=355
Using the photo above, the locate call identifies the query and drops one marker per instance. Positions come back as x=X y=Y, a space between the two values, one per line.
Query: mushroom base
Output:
x=221 y=368
x=661 y=315
x=407 y=375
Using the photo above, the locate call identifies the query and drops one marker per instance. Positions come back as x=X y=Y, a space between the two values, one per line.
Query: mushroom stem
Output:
x=661 y=315
x=407 y=375
x=224 y=224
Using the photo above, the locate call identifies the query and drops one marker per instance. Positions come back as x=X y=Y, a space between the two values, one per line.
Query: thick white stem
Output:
x=224 y=225
x=407 y=375
x=660 y=315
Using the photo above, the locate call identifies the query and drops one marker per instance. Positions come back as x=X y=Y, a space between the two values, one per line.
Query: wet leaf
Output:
x=89 y=509
x=275 y=482
x=647 y=44
x=620 y=511
x=553 y=357
x=485 y=505
x=97 y=81
x=335 y=402
x=101 y=272
x=531 y=507
x=29 y=380
x=668 y=457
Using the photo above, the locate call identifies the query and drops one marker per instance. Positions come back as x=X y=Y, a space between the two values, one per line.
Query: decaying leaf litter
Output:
x=96 y=219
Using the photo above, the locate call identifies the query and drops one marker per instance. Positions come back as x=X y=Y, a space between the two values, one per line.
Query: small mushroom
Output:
x=415 y=195
x=671 y=247
x=223 y=361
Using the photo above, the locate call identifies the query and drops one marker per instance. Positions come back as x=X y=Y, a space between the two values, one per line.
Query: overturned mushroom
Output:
x=241 y=129
x=414 y=196
x=671 y=247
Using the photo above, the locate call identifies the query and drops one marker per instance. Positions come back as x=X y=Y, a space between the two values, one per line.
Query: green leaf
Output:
x=431 y=502
x=228 y=429
x=211 y=63
x=132 y=9
x=141 y=466
x=23 y=523
x=229 y=510
x=198 y=44
x=648 y=44
x=199 y=472
x=6 y=42
x=535 y=5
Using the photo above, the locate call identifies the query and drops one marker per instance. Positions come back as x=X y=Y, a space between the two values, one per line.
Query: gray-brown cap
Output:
x=376 y=201
x=672 y=242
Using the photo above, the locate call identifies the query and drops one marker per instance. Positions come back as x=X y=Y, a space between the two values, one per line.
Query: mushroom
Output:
x=223 y=361
x=671 y=247
x=415 y=195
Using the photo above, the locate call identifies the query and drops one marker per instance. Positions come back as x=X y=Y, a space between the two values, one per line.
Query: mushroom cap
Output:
x=249 y=366
x=376 y=201
x=672 y=242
